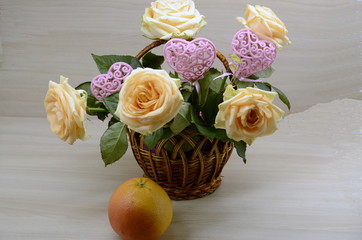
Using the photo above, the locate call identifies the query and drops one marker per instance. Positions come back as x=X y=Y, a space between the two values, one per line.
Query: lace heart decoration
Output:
x=104 y=85
x=191 y=59
x=255 y=55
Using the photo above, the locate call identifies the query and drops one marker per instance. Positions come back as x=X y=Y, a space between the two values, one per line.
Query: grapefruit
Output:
x=140 y=209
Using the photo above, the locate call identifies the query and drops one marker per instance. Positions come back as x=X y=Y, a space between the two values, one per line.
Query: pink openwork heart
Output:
x=255 y=55
x=190 y=59
x=104 y=85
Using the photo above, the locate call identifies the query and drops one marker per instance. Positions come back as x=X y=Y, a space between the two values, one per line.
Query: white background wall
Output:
x=42 y=39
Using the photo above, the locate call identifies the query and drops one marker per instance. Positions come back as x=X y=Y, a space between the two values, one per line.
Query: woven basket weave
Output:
x=187 y=166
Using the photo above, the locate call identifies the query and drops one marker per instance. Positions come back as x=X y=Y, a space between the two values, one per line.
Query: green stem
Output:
x=232 y=80
x=97 y=109
x=222 y=84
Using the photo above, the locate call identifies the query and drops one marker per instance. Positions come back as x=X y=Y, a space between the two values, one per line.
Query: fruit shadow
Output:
x=179 y=227
x=192 y=218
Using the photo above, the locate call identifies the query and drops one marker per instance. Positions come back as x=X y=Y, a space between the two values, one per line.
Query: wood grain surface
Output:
x=304 y=182
x=41 y=40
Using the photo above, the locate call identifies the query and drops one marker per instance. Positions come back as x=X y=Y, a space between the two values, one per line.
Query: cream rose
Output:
x=167 y=19
x=265 y=24
x=148 y=100
x=248 y=113
x=66 y=110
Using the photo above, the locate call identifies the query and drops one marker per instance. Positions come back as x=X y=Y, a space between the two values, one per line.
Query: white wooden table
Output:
x=304 y=182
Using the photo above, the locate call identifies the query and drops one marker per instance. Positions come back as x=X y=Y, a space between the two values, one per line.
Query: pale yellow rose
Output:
x=167 y=19
x=66 y=110
x=248 y=113
x=148 y=100
x=265 y=24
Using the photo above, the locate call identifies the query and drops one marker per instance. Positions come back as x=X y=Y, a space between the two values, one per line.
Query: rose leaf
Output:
x=205 y=84
x=86 y=86
x=182 y=119
x=106 y=61
x=151 y=141
x=241 y=149
x=244 y=84
x=186 y=90
x=151 y=60
x=281 y=96
x=265 y=73
x=114 y=143
x=210 y=108
x=218 y=85
x=111 y=103
x=263 y=86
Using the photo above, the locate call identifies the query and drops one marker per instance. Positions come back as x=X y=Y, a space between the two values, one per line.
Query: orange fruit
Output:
x=140 y=209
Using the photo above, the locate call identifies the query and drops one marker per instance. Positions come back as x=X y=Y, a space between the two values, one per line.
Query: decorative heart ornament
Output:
x=255 y=55
x=190 y=59
x=104 y=85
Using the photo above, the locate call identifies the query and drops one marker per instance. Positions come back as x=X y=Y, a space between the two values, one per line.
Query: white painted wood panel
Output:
x=41 y=40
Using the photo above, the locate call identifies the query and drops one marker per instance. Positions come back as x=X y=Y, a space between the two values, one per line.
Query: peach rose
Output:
x=265 y=24
x=248 y=113
x=148 y=100
x=167 y=19
x=66 y=110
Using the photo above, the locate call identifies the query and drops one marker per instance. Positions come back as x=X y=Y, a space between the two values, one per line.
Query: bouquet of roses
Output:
x=136 y=94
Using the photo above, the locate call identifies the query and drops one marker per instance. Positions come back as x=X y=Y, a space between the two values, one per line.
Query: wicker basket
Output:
x=187 y=166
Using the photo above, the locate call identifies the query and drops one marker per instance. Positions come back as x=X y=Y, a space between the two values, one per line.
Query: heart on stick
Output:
x=256 y=55
x=104 y=85
x=191 y=59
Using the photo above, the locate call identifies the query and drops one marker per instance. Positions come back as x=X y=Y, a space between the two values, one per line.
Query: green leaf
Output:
x=105 y=62
x=205 y=84
x=243 y=84
x=173 y=74
x=235 y=58
x=211 y=132
x=265 y=73
x=195 y=119
x=208 y=131
x=92 y=102
x=253 y=77
x=281 y=95
x=218 y=85
x=210 y=108
x=102 y=115
x=151 y=141
x=221 y=135
x=151 y=60
x=112 y=121
x=186 y=90
x=241 y=149
x=167 y=133
x=195 y=115
x=182 y=119
x=233 y=68
x=114 y=143
x=111 y=103
x=263 y=86
x=86 y=86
